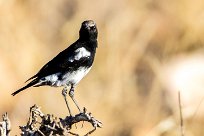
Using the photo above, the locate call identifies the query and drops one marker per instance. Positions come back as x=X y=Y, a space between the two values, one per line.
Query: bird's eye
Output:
x=93 y=27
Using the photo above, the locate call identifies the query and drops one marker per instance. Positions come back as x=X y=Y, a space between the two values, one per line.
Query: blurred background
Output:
x=148 y=51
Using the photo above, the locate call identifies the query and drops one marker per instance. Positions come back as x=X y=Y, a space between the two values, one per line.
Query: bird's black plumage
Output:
x=70 y=65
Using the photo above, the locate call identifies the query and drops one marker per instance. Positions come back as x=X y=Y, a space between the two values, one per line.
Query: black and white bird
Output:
x=69 y=66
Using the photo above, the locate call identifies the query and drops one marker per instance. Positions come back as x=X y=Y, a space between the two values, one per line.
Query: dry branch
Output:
x=40 y=124
x=181 y=114
x=5 y=125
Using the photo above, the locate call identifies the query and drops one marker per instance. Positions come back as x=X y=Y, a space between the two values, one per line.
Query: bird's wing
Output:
x=67 y=60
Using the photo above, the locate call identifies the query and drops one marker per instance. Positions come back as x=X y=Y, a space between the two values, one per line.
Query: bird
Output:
x=70 y=65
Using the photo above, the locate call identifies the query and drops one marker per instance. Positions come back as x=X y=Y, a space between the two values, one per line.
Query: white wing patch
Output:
x=52 y=78
x=80 y=53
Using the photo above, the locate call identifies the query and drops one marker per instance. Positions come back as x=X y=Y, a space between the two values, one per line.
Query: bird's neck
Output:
x=88 y=38
x=90 y=41
x=93 y=44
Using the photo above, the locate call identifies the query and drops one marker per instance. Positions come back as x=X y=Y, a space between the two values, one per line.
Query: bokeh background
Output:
x=148 y=51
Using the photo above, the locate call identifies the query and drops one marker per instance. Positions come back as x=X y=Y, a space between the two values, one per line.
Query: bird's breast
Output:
x=73 y=77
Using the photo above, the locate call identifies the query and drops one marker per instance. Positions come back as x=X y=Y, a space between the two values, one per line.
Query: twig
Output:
x=90 y=132
x=181 y=115
x=197 y=108
x=5 y=125
x=73 y=134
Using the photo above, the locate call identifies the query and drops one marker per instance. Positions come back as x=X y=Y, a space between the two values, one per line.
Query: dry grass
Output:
x=144 y=46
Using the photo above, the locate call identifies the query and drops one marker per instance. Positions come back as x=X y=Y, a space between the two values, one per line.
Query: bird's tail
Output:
x=33 y=82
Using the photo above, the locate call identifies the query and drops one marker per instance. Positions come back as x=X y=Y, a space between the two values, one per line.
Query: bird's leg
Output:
x=64 y=94
x=71 y=94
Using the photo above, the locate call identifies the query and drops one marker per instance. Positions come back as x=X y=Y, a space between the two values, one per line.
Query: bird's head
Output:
x=88 y=30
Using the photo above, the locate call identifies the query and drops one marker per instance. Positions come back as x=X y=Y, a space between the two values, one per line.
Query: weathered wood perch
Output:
x=5 y=125
x=40 y=124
